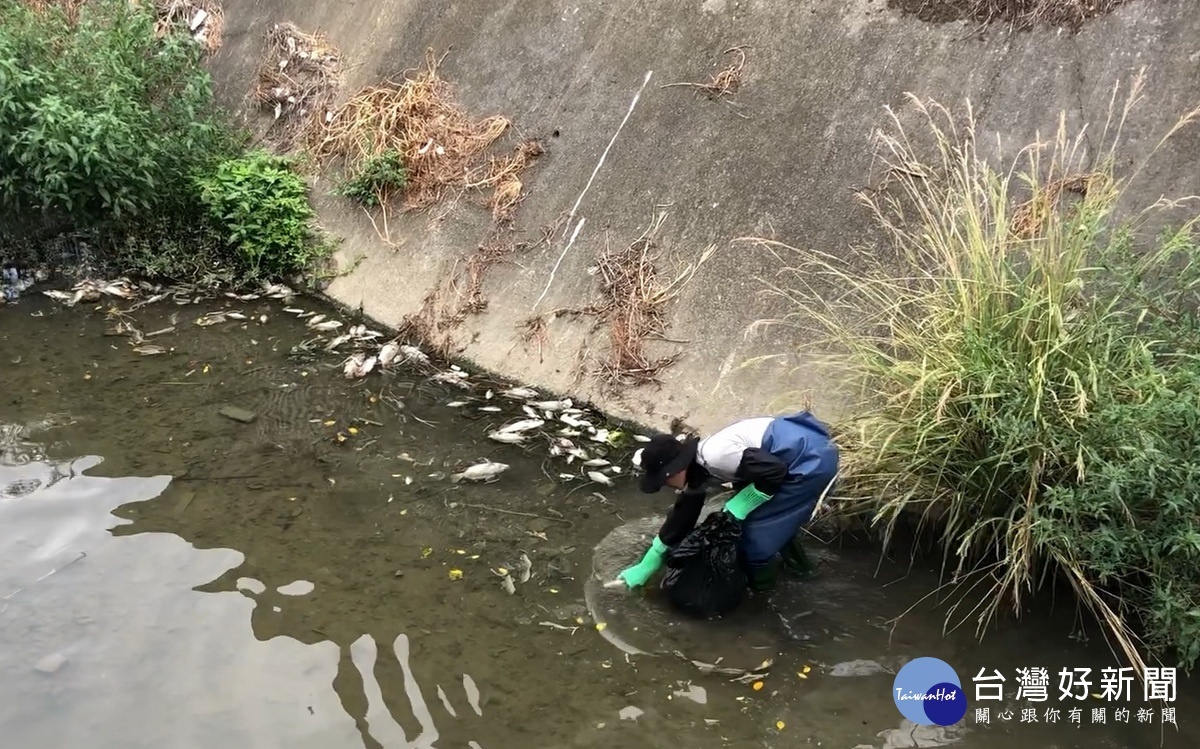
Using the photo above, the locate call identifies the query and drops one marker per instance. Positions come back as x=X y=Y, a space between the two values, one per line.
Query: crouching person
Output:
x=780 y=468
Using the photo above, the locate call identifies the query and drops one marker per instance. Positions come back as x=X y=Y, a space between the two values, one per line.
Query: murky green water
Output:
x=171 y=577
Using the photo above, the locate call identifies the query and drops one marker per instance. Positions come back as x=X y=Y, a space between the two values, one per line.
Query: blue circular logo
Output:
x=927 y=692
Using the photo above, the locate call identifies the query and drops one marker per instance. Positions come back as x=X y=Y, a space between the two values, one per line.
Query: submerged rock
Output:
x=238 y=414
x=51 y=663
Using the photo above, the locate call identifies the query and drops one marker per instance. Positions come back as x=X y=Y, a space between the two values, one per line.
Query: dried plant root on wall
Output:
x=635 y=297
x=297 y=80
x=444 y=150
x=202 y=19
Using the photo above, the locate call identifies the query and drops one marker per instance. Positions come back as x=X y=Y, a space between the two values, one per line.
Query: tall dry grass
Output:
x=1023 y=360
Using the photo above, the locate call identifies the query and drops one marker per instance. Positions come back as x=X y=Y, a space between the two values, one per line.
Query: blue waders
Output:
x=804 y=444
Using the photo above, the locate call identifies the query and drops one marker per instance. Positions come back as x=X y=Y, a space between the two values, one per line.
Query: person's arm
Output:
x=682 y=517
x=679 y=523
x=761 y=468
x=759 y=476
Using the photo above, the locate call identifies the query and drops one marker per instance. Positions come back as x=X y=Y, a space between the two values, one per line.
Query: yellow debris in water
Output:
x=473 y=556
x=502 y=570
x=329 y=422
x=353 y=430
x=554 y=590
x=341 y=437
x=600 y=626
x=579 y=620
x=807 y=669
x=207 y=369
x=456 y=574
x=779 y=725
x=756 y=686
x=373 y=399
x=426 y=552
x=802 y=675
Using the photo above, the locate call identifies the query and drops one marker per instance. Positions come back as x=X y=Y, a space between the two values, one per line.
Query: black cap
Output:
x=665 y=456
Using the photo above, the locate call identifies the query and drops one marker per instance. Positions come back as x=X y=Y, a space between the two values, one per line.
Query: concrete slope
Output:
x=783 y=162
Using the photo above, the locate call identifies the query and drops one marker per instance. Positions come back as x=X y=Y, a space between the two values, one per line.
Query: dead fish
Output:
x=641 y=438
x=571 y=421
x=600 y=435
x=451 y=404
x=508 y=585
x=508 y=438
x=489 y=395
x=595 y=462
x=212 y=318
x=61 y=296
x=577 y=453
x=599 y=478
x=451 y=378
x=414 y=354
x=336 y=342
x=551 y=405
x=531 y=413
x=327 y=325
x=491 y=409
x=314 y=320
x=235 y=315
x=570 y=432
x=524 y=425
x=637 y=458
x=277 y=291
x=150 y=349
x=615 y=469
x=388 y=353
x=485 y=471
x=523 y=568
x=358 y=365
x=567 y=476
x=520 y=393
x=293 y=310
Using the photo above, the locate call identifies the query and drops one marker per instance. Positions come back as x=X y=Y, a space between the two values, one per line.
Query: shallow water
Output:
x=171 y=577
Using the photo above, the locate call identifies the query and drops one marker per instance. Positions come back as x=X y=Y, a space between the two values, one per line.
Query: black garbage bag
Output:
x=704 y=577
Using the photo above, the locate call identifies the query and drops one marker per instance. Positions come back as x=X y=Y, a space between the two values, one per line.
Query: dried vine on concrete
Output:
x=297 y=81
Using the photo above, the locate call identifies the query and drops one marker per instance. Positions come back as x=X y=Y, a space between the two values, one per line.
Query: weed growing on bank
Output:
x=261 y=208
x=376 y=179
x=108 y=128
x=1026 y=367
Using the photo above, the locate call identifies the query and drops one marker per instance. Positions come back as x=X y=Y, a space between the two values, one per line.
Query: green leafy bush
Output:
x=100 y=120
x=261 y=206
x=1027 y=377
x=377 y=178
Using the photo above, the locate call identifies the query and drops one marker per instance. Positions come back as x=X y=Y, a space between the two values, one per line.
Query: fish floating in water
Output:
x=599 y=478
x=522 y=426
x=551 y=405
x=485 y=471
x=358 y=366
x=388 y=353
x=414 y=354
x=508 y=438
x=520 y=393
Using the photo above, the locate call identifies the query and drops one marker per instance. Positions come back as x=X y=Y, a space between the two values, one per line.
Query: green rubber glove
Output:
x=637 y=575
x=745 y=502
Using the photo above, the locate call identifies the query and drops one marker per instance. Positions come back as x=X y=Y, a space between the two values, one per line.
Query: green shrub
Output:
x=100 y=120
x=1026 y=377
x=261 y=206
x=376 y=179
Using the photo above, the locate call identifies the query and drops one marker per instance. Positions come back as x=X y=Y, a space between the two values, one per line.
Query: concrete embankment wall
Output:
x=781 y=161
